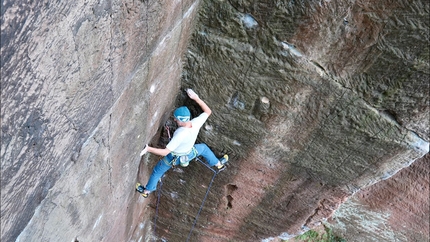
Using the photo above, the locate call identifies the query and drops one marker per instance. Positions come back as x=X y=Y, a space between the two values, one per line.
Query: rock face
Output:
x=398 y=208
x=85 y=85
x=314 y=102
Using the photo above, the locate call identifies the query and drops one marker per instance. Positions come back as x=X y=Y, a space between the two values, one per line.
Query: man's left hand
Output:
x=144 y=151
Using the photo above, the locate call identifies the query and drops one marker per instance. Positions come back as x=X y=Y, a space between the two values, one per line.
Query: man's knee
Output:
x=202 y=146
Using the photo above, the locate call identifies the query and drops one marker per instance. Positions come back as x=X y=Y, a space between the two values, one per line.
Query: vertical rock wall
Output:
x=85 y=85
x=313 y=101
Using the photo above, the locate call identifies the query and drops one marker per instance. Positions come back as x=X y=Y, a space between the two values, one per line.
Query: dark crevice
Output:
x=229 y=201
x=392 y=115
x=230 y=189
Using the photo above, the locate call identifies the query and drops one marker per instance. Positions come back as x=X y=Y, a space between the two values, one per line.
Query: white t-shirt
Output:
x=184 y=138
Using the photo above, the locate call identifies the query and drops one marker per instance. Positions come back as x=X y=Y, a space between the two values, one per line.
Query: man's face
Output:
x=180 y=124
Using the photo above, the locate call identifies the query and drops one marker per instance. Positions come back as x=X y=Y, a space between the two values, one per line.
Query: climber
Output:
x=181 y=148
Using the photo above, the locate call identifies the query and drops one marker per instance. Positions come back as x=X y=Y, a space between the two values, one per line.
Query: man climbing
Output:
x=181 y=148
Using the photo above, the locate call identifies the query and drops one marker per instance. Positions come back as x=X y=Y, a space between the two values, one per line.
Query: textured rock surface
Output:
x=398 y=208
x=84 y=86
x=313 y=101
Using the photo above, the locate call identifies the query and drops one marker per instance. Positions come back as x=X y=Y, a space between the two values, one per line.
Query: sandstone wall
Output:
x=313 y=101
x=398 y=208
x=85 y=84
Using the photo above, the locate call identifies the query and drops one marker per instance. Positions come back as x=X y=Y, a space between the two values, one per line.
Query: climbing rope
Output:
x=201 y=206
x=158 y=202
x=159 y=188
x=204 y=199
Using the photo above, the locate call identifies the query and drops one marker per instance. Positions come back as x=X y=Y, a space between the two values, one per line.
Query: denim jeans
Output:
x=162 y=167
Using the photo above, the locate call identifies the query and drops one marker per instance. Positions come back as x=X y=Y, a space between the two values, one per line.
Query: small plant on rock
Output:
x=314 y=236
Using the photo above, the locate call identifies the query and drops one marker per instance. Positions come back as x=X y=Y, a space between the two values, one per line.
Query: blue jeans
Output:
x=162 y=167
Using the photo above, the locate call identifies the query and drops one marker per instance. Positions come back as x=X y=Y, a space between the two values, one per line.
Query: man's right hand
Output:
x=192 y=94
x=200 y=102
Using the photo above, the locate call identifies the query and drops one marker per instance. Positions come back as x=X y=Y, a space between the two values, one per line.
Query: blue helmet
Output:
x=182 y=114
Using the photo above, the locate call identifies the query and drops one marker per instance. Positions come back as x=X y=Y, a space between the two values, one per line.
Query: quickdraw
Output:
x=168 y=131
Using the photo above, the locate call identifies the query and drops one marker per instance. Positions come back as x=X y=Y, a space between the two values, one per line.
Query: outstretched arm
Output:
x=156 y=151
x=199 y=101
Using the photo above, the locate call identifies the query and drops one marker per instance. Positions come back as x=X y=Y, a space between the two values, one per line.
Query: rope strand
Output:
x=156 y=208
x=201 y=206
x=204 y=199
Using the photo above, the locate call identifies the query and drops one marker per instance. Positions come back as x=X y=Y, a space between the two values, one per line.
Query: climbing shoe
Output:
x=223 y=160
x=141 y=190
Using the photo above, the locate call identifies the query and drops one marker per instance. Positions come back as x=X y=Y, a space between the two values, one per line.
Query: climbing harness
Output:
x=215 y=172
x=184 y=159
